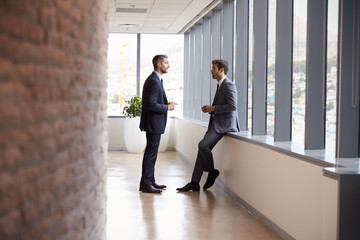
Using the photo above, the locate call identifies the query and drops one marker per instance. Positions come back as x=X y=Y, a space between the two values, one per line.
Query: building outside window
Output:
x=299 y=71
x=121 y=71
x=122 y=52
x=250 y=62
x=173 y=47
x=332 y=49
x=271 y=69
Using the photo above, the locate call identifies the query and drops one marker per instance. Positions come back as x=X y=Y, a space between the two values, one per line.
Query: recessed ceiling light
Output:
x=128 y=25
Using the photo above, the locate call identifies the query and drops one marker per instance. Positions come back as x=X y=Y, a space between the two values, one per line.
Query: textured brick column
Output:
x=53 y=140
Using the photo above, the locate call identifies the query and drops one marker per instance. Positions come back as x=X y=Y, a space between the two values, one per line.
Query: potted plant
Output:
x=135 y=140
x=134 y=107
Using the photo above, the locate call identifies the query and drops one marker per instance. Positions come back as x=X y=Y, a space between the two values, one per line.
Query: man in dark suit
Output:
x=223 y=119
x=153 y=121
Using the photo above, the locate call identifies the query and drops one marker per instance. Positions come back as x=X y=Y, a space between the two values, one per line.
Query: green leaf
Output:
x=134 y=107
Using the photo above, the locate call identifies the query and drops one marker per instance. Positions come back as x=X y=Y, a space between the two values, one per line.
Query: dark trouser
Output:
x=204 y=160
x=149 y=159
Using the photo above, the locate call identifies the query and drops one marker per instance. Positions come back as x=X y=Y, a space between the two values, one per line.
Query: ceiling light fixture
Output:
x=128 y=25
x=131 y=10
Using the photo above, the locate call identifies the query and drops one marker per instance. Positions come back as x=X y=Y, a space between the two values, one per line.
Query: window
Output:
x=299 y=71
x=250 y=61
x=271 y=68
x=332 y=43
x=122 y=52
x=291 y=83
x=173 y=47
x=121 y=71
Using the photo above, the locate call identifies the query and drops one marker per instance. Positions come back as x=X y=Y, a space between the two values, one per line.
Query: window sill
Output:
x=324 y=158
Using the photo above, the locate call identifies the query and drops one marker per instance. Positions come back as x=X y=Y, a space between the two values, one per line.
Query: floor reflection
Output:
x=149 y=219
x=171 y=215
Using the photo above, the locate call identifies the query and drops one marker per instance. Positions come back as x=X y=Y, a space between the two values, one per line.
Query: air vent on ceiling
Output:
x=131 y=10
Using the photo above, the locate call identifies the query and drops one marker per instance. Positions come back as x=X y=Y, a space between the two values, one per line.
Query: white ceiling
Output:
x=156 y=16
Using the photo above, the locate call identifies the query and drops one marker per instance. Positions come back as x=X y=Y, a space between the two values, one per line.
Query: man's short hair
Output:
x=157 y=59
x=221 y=63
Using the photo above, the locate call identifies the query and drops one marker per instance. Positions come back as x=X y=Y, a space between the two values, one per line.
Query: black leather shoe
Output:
x=155 y=185
x=211 y=178
x=191 y=186
x=149 y=189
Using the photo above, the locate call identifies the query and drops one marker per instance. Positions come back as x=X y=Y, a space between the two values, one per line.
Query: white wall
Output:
x=291 y=193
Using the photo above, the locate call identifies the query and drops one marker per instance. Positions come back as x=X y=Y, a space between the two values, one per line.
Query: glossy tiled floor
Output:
x=210 y=214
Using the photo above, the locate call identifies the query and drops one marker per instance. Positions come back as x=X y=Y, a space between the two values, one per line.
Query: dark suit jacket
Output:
x=154 y=106
x=225 y=113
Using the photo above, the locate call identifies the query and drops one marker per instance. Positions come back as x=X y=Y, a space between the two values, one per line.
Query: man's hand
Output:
x=207 y=108
x=172 y=106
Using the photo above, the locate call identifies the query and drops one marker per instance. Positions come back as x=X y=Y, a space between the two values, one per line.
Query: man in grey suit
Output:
x=223 y=119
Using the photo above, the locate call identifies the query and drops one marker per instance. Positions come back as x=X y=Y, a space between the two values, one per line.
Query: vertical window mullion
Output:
x=315 y=75
x=260 y=68
x=138 y=51
x=283 y=70
x=348 y=62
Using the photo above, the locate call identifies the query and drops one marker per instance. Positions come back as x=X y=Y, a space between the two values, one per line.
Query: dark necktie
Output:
x=163 y=91
x=217 y=90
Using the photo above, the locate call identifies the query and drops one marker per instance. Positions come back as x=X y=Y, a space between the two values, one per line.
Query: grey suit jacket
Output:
x=224 y=116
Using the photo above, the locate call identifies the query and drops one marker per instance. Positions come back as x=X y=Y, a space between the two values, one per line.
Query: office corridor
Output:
x=210 y=214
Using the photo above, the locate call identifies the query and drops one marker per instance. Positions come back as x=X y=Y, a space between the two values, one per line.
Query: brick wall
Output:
x=53 y=122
